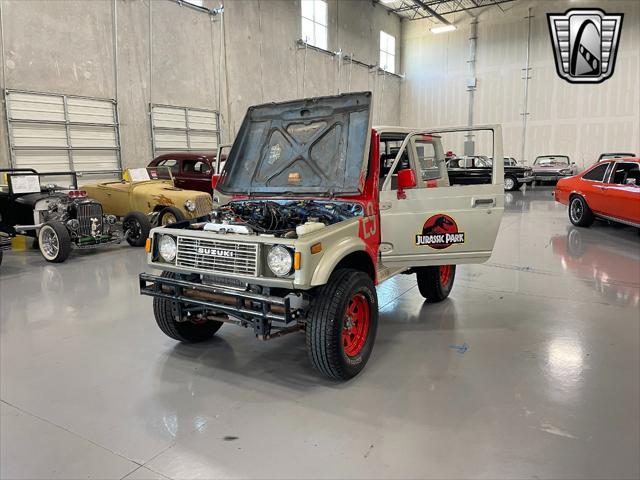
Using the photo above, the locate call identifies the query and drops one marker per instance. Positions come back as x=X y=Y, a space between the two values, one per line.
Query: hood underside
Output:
x=310 y=146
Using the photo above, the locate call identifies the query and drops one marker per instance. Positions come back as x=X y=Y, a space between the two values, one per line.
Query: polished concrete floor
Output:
x=529 y=370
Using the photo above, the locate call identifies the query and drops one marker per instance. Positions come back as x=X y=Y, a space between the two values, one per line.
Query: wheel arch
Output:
x=350 y=254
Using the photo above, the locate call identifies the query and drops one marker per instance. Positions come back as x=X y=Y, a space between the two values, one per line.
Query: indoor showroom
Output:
x=320 y=239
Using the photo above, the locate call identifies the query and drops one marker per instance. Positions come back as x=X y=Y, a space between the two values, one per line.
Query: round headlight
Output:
x=189 y=205
x=167 y=248
x=279 y=260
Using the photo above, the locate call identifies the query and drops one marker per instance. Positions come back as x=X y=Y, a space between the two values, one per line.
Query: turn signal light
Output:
x=297 y=258
x=147 y=246
x=317 y=248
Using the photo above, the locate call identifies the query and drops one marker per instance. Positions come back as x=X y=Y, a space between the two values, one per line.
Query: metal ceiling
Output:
x=435 y=9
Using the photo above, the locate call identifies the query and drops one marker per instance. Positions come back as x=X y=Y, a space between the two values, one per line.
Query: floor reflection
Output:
x=609 y=260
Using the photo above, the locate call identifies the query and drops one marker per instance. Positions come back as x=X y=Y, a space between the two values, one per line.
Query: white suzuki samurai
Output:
x=318 y=208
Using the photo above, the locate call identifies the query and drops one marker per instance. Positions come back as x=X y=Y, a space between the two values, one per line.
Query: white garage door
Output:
x=60 y=132
x=183 y=129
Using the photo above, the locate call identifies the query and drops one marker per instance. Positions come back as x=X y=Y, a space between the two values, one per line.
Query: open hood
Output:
x=310 y=146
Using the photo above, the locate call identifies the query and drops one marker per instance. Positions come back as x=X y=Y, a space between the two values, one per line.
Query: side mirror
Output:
x=407 y=179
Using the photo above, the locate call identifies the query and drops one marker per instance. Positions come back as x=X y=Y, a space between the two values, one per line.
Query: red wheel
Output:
x=356 y=325
x=435 y=283
x=445 y=274
x=342 y=324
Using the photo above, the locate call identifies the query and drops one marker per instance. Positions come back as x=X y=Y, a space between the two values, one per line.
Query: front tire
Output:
x=54 y=242
x=170 y=215
x=510 y=183
x=579 y=212
x=187 y=331
x=342 y=325
x=435 y=283
x=136 y=227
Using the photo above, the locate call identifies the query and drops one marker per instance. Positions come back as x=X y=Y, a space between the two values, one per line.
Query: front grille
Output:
x=90 y=218
x=217 y=256
x=203 y=206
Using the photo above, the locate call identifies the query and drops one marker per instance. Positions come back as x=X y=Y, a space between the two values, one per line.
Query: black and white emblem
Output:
x=585 y=44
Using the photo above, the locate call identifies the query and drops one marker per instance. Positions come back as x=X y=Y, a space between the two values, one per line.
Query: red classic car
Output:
x=191 y=170
x=609 y=190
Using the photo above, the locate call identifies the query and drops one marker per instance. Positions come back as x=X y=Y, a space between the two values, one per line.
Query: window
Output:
x=387 y=52
x=195 y=166
x=626 y=173
x=170 y=163
x=427 y=161
x=314 y=23
x=596 y=174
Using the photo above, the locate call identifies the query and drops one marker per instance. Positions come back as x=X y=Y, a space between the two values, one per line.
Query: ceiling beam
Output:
x=432 y=12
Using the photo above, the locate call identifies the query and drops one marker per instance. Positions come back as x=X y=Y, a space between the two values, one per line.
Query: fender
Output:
x=338 y=252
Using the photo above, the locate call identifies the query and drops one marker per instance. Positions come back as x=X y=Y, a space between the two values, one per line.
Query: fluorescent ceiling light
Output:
x=443 y=28
x=387 y=1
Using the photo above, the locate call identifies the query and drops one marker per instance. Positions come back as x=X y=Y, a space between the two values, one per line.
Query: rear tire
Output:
x=185 y=332
x=579 y=212
x=435 y=283
x=170 y=215
x=54 y=242
x=342 y=324
x=136 y=227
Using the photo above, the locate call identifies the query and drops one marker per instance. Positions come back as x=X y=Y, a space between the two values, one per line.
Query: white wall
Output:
x=579 y=120
x=68 y=47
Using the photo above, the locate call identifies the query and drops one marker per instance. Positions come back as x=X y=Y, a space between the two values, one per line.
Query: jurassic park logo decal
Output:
x=439 y=232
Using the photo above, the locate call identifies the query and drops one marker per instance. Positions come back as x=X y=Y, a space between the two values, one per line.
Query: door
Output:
x=195 y=175
x=622 y=192
x=114 y=197
x=594 y=187
x=444 y=224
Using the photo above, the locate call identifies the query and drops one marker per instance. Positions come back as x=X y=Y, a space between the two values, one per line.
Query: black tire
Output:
x=170 y=213
x=433 y=286
x=327 y=320
x=513 y=186
x=136 y=227
x=185 y=332
x=579 y=212
x=54 y=242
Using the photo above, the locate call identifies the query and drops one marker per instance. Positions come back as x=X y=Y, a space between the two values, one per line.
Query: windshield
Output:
x=551 y=161
x=317 y=145
x=148 y=173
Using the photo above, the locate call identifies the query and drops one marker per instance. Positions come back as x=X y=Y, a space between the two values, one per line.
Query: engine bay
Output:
x=281 y=218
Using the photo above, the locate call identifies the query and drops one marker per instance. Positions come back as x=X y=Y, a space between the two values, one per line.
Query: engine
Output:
x=83 y=217
x=280 y=217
